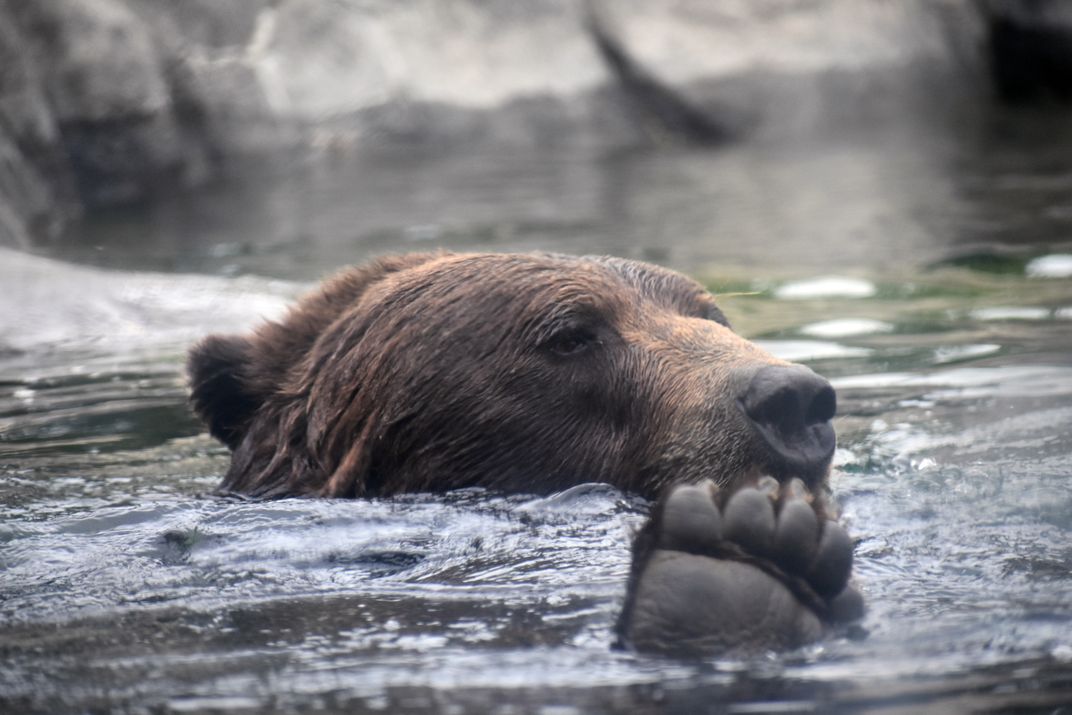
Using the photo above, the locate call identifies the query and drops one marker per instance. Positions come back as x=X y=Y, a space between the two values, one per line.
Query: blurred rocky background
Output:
x=112 y=102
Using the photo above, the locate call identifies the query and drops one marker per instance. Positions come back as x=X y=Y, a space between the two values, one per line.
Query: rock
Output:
x=89 y=115
x=104 y=102
x=27 y=145
x=106 y=85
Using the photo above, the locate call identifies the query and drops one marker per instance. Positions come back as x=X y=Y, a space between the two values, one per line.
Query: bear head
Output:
x=526 y=373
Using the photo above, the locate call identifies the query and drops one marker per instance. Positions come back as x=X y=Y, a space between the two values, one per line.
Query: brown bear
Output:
x=533 y=373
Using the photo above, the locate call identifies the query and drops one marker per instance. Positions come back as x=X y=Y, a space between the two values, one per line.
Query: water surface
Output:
x=928 y=278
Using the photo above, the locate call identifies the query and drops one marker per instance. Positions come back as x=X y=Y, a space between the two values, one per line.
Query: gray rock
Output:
x=88 y=115
x=36 y=193
x=105 y=102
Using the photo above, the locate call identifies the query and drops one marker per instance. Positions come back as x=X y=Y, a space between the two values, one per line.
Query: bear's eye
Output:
x=572 y=342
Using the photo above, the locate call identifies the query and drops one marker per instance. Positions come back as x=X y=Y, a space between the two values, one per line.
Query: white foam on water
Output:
x=845 y=327
x=826 y=287
x=1055 y=265
x=798 y=350
x=1010 y=312
x=956 y=353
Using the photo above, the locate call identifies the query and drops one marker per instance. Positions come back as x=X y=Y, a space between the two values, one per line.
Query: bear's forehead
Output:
x=598 y=282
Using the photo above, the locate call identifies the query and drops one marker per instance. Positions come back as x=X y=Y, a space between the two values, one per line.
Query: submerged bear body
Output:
x=532 y=373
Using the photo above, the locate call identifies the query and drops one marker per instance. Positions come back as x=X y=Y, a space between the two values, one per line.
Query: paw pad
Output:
x=690 y=519
x=779 y=528
x=750 y=522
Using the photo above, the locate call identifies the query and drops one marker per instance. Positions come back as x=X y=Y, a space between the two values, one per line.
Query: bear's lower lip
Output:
x=806 y=455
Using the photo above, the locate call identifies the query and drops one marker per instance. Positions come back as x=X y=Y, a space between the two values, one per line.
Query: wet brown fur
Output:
x=437 y=371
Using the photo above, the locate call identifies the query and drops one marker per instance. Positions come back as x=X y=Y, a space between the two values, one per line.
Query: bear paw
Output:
x=756 y=570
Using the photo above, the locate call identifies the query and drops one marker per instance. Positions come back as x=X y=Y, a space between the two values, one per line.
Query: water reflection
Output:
x=963 y=183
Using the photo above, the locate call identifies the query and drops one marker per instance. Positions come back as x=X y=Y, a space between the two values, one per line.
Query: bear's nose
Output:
x=791 y=407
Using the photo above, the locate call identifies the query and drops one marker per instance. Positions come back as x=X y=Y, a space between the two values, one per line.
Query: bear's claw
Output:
x=758 y=569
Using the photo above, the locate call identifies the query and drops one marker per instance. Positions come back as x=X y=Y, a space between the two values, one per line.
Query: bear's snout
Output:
x=791 y=407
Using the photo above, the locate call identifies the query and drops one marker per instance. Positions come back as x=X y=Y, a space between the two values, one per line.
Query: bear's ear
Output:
x=220 y=395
